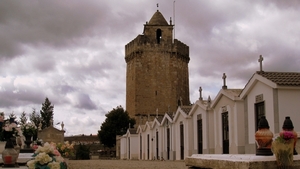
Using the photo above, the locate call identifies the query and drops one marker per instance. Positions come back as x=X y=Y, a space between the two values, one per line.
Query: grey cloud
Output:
x=52 y=23
x=85 y=102
x=73 y=51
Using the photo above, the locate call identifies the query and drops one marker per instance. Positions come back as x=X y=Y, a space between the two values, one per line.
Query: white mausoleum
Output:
x=224 y=125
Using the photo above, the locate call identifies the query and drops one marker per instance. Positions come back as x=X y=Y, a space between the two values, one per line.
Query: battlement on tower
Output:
x=140 y=44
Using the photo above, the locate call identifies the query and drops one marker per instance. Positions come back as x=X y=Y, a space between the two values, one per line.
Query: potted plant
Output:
x=283 y=148
x=47 y=157
x=29 y=130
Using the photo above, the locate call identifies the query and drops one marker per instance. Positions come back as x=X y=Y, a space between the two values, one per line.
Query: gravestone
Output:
x=51 y=134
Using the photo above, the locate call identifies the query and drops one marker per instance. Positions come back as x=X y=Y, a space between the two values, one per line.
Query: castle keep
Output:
x=157 y=77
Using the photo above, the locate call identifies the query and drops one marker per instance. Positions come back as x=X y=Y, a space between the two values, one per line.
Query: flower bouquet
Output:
x=8 y=128
x=283 y=148
x=29 y=129
x=65 y=149
x=47 y=157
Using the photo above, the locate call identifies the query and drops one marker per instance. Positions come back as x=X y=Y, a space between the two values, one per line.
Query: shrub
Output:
x=82 y=152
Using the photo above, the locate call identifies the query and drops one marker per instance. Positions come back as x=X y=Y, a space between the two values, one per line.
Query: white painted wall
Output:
x=134 y=149
x=123 y=149
x=176 y=133
x=207 y=133
x=148 y=131
x=267 y=91
x=289 y=105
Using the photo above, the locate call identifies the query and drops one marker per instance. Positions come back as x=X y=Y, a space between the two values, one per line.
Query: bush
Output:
x=82 y=152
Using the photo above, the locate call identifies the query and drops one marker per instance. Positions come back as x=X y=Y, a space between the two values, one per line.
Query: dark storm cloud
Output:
x=73 y=51
x=84 y=102
x=38 y=23
x=16 y=96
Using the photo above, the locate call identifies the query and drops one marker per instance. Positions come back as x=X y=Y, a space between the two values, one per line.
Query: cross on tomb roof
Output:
x=260 y=62
x=224 y=81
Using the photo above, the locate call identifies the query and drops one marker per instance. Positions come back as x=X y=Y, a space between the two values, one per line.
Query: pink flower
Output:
x=287 y=135
x=56 y=152
x=35 y=147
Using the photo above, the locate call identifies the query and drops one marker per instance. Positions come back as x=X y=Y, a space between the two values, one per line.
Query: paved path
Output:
x=125 y=164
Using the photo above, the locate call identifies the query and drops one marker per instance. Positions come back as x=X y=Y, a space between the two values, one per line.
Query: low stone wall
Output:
x=250 y=161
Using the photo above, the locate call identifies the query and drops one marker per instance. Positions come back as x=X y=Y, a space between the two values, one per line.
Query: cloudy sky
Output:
x=73 y=51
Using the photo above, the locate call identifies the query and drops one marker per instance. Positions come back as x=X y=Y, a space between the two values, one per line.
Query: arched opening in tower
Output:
x=158 y=35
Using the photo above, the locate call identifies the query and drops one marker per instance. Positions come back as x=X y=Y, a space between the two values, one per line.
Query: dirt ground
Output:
x=125 y=164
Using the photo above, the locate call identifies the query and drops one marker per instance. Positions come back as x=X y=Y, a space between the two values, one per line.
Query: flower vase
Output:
x=263 y=138
x=2 y=146
x=28 y=140
x=284 y=153
x=9 y=155
x=288 y=126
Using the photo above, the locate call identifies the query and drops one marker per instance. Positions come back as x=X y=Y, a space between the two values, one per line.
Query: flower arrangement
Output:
x=283 y=148
x=1 y=126
x=9 y=127
x=29 y=129
x=285 y=137
x=47 y=157
x=66 y=149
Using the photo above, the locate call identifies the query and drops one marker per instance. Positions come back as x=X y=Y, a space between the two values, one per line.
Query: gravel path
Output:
x=125 y=164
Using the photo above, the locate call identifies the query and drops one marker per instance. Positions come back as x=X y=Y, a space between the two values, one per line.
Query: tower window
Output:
x=158 y=35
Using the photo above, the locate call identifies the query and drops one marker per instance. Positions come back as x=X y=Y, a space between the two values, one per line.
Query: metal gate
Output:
x=181 y=142
x=200 y=137
x=225 y=132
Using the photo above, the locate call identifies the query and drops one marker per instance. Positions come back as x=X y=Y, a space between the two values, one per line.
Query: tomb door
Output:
x=141 y=146
x=259 y=112
x=200 y=137
x=157 y=145
x=128 y=148
x=168 y=143
x=181 y=142
x=148 y=147
x=225 y=133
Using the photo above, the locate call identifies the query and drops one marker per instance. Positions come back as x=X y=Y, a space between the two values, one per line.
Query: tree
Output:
x=116 y=123
x=23 y=118
x=35 y=118
x=47 y=113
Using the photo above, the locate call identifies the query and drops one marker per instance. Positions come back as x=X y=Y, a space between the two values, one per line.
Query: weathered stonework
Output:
x=157 y=78
x=51 y=134
x=235 y=161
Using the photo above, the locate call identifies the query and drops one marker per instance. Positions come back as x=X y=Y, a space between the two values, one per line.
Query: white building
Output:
x=224 y=125
x=274 y=95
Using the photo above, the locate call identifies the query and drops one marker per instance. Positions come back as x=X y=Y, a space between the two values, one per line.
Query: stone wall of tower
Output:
x=157 y=76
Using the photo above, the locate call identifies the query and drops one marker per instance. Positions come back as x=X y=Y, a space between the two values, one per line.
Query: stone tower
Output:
x=157 y=77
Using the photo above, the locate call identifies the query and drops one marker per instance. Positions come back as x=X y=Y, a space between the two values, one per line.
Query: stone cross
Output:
x=208 y=101
x=180 y=101
x=200 y=92
x=62 y=125
x=260 y=62
x=224 y=81
x=156 y=112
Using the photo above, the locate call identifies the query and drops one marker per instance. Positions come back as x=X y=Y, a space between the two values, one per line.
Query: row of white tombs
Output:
x=230 y=124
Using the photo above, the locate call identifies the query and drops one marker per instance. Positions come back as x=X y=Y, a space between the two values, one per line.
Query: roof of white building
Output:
x=282 y=78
